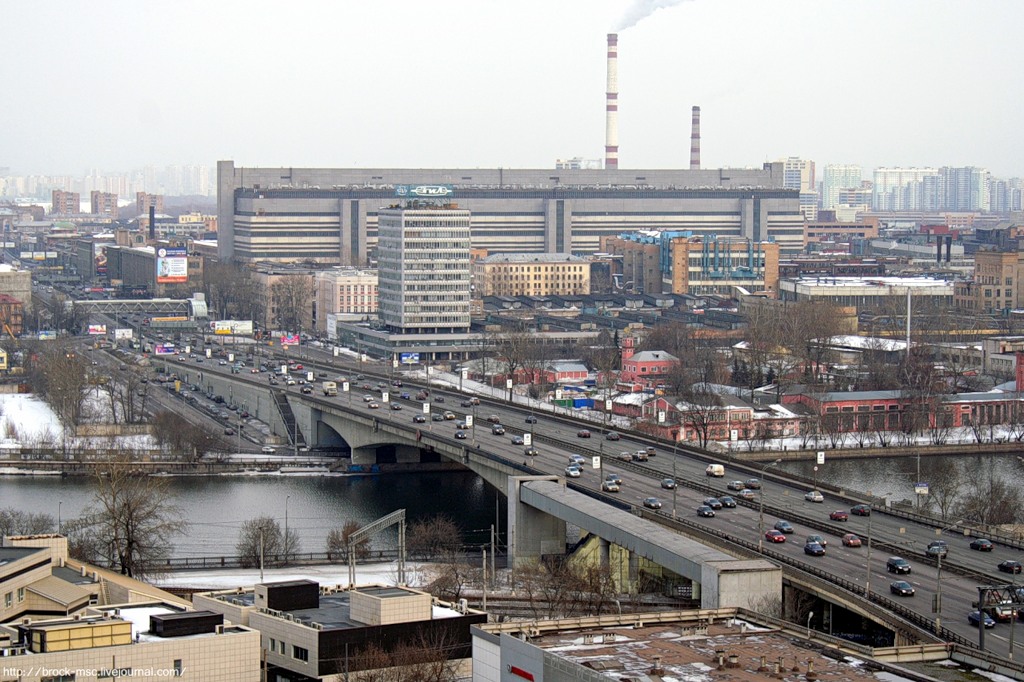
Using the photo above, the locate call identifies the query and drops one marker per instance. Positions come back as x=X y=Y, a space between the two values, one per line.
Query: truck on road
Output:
x=330 y=388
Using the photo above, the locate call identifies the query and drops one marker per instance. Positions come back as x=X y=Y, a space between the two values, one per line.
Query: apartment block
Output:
x=103 y=203
x=65 y=203
x=346 y=292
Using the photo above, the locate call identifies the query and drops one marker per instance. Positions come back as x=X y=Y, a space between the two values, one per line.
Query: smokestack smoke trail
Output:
x=695 y=140
x=641 y=9
x=611 y=127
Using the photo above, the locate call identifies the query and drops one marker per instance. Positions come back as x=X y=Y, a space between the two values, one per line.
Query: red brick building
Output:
x=645 y=370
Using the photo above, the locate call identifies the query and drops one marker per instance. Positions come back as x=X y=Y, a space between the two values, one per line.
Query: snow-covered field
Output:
x=29 y=420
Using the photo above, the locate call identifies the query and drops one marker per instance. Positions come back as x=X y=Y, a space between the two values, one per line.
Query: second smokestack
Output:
x=611 y=128
x=695 y=140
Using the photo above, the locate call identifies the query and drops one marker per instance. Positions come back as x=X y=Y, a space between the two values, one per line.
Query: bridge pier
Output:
x=532 y=533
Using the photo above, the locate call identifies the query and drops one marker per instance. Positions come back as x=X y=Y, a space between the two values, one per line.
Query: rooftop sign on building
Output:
x=424 y=191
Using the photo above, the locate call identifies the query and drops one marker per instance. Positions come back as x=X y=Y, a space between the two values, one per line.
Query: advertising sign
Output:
x=97 y=329
x=171 y=265
x=409 y=358
x=47 y=335
x=921 y=488
x=233 y=327
x=289 y=339
x=424 y=191
x=123 y=335
x=99 y=258
x=164 y=349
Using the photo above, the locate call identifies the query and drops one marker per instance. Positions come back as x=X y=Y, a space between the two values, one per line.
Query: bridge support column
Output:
x=604 y=554
x=532 y=533
x=634 y=570
x=754 y=584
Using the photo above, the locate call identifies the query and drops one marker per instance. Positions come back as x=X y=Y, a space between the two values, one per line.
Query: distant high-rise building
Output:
x=963 y=189
x=103 y=203
x=900 y=189
x=144 y=200
x=798 y=174
x=65 y=203
x=835 y=178
x=424 y=269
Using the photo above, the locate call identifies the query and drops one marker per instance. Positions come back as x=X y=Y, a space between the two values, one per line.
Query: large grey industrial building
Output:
x=329 y=215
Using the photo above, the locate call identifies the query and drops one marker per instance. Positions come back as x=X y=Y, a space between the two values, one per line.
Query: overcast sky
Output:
x=115 y=85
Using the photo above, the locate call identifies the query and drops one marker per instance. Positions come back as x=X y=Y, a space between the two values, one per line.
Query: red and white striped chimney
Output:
x=695 y=140
x=611 y=127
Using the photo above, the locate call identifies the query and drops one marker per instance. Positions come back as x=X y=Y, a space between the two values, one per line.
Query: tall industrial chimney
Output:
x=695 y=140
x=611 y=127
x=152 y=222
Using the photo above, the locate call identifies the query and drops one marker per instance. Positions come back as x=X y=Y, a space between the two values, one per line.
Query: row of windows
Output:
x=279 y=647
x=535 y=268
x=9 y=598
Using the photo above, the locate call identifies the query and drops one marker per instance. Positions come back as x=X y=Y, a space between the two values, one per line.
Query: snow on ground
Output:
x=415 y=575
x=964 y=435
x=34 y=423
x=452 y=381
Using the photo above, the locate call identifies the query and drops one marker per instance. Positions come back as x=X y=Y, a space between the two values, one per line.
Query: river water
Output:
x=216 y=506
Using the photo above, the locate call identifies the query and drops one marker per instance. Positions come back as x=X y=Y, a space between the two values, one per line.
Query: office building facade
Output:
x=424 y=269
x=528 y=274
x=331 y=216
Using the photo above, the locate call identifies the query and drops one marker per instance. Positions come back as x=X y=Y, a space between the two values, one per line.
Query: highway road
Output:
x=555 y=437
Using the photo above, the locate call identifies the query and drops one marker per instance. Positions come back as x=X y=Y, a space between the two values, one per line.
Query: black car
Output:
x=705 y=511
x=498 y=430
x=461 y=435
x=982 y=545
x=937 y=548
x=783 y=526
x=517 y=440
x=895 y=564
x=668 y=483
x=713 y=502
x=419 y=419
x=437 y=417
x=814 y=549
x=531 y=451
x=1010 y=566
x=901 y=588
x=860 y=510
x=727 y=502
x=612 y=435
x=531 y=420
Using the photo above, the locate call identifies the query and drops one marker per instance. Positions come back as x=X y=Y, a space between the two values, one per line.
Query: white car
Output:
x=814 y=496
x=572 y=471
x=267 y=450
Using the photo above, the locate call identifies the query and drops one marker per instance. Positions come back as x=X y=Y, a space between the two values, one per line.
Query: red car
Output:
x=839 y=515
x=851 y=540
x=583 y=433
x=775 y=536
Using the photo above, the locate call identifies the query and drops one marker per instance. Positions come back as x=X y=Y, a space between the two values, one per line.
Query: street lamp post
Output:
x=809 y=617
x=867 y=578
x=760 y=514
x=938 y=582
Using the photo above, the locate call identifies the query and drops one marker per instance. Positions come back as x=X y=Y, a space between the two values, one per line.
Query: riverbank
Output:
x=738 y=454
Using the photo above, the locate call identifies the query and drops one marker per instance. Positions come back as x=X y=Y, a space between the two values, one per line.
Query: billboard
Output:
x=236 y=327
x=409 y=358
x=97 y=329
x=47 y=335
x=164 y=349
x=289 y=339
x=123 y=335
x=171 y=265
x=99 y=257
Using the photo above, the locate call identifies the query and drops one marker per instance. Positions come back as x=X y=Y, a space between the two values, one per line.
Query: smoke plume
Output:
x=641 y=9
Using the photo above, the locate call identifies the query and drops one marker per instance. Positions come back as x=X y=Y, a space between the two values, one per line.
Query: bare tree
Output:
x=988 y=500
x=230 y=289
x=262 y=538
x=292 y=296
x=701 y=411
x=338 y=541
x=133 y=516
x=515 y=346
x=434 y=538
x=16 y=522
